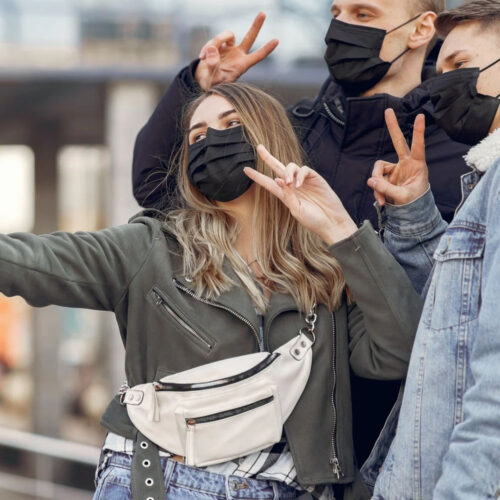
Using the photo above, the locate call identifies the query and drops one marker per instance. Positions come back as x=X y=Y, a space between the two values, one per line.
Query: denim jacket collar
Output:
x=485 y=154
x=480 y=158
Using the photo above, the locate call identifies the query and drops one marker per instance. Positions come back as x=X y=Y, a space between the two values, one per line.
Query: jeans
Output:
x=183 y=482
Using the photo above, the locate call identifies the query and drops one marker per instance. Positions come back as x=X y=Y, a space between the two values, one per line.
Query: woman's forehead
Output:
x=209 y=109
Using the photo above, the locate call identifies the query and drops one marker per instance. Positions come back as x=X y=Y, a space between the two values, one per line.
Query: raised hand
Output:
x=308 y=197
x=405 y=181
x=221 y=60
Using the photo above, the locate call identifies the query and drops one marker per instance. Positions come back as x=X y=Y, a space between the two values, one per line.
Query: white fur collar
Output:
x=486 y=153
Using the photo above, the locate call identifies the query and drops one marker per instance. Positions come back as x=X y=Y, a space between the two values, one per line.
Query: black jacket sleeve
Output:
x=158 y=142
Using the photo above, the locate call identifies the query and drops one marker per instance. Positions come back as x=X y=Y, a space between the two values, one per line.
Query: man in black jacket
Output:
x=376 y=50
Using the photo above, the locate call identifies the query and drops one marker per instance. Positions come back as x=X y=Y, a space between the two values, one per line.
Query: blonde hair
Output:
x=293 y=259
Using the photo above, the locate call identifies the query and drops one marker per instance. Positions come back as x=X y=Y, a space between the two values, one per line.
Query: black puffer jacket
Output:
x=343 y=137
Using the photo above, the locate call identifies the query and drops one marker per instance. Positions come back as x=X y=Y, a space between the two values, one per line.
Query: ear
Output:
x=424 y=30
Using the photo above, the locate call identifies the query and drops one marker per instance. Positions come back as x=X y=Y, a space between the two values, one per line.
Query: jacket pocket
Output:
x=456 y=283
x=194 y=335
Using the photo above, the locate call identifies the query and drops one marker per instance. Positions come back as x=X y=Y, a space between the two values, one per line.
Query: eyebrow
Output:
x=357 y=6
x=220 y=117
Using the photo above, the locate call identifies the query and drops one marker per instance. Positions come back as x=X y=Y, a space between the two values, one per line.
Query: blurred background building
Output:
x=78 y=78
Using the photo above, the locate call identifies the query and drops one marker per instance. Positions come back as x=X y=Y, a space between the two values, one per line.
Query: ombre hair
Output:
x=293 y=259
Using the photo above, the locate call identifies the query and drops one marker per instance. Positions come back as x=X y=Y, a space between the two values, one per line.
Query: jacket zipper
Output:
x=180 y=286
x=160 y=301
x=334 y=459
x=229 y=413
x=329 y=112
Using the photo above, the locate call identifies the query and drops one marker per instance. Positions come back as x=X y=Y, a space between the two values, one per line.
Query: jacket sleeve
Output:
x=158 y=141
x=471 y=469
x=383 y=322
x=412 y=233
x=89 y=270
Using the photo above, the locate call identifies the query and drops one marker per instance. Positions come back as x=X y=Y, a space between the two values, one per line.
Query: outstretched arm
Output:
x=89 y=270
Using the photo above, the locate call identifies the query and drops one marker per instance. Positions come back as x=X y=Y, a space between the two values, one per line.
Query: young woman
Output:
x=236 y=271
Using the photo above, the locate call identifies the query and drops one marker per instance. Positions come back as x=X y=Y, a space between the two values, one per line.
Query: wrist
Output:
x=339 y=231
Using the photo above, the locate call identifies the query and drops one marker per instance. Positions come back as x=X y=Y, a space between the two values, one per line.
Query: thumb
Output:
x=382 y=187
x=212 y=56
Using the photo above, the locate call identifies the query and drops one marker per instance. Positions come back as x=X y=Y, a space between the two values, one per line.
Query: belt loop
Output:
x=276 y=491
x=229 y=496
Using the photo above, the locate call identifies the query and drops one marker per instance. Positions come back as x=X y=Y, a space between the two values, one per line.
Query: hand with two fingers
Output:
x=221 y=60
x=403 y=182
x=308 y=197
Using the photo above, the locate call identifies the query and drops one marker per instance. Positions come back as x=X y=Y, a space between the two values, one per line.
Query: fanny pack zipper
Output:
x=228 y=413
x=334 y=459
x=161 y=302
x=198 y=386
x=180 y=286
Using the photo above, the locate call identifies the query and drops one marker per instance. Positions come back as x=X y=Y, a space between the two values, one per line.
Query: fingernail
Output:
x=211 y=51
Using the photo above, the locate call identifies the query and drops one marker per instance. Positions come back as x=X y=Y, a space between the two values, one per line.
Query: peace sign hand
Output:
x=308 y=196
x=221 y=60
x=403 y=182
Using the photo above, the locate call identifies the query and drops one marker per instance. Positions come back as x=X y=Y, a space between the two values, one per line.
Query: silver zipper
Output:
x=180 y=286
x=159 y=301
x=334 y=459
x=229 y=413
x=332 y=116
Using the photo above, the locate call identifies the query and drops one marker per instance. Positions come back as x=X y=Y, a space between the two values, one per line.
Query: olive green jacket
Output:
x=135 y=270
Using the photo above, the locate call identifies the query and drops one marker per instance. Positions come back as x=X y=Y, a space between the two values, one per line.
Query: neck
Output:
x=241 y=210
x=401 y=79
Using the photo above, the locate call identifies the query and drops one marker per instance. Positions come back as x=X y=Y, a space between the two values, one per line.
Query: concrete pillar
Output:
x=47 y=401
x=128 y=107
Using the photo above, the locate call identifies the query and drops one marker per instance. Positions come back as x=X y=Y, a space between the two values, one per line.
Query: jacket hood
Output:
x=486 y=153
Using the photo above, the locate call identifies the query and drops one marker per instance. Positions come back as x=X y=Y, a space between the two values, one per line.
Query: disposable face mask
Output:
x=353 y=55
x=458 y=108
x=215 y=164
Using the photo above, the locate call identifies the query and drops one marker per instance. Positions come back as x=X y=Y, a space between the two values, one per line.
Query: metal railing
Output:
x=45 y=447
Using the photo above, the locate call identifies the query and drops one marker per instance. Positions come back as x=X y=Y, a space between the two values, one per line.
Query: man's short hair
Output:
x=486 y=12
x=436 y=6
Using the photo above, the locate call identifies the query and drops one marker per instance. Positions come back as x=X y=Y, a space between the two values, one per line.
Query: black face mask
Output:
x=215 y=164
x=353 y=55
x=464 y=114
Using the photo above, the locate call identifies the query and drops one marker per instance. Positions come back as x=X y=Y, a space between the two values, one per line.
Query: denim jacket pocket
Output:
x=455 y=288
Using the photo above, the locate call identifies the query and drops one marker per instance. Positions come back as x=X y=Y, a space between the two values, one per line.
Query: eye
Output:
x=198 y=137
x=233 y=123
x=459 y=64
x=363 y=15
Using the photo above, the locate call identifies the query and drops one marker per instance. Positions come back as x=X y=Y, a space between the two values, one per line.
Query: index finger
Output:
x=276 y=166
x=397 y=137
x=253 y=32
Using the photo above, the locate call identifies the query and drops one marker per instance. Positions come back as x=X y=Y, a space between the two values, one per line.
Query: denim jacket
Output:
x=447 y=444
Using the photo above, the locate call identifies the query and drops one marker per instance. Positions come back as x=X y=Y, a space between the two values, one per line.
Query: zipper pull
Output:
x=334 y=462
x=158 y=299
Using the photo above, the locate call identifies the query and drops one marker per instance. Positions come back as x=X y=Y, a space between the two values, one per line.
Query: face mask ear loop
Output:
x=400 y=55
x=405 y=23
x=400 y=26
x=489 y=65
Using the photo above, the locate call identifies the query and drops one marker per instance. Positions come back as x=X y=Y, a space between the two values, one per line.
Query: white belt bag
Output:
x=227 y=409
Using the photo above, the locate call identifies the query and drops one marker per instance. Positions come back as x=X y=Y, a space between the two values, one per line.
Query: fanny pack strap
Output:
x=146 y=472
